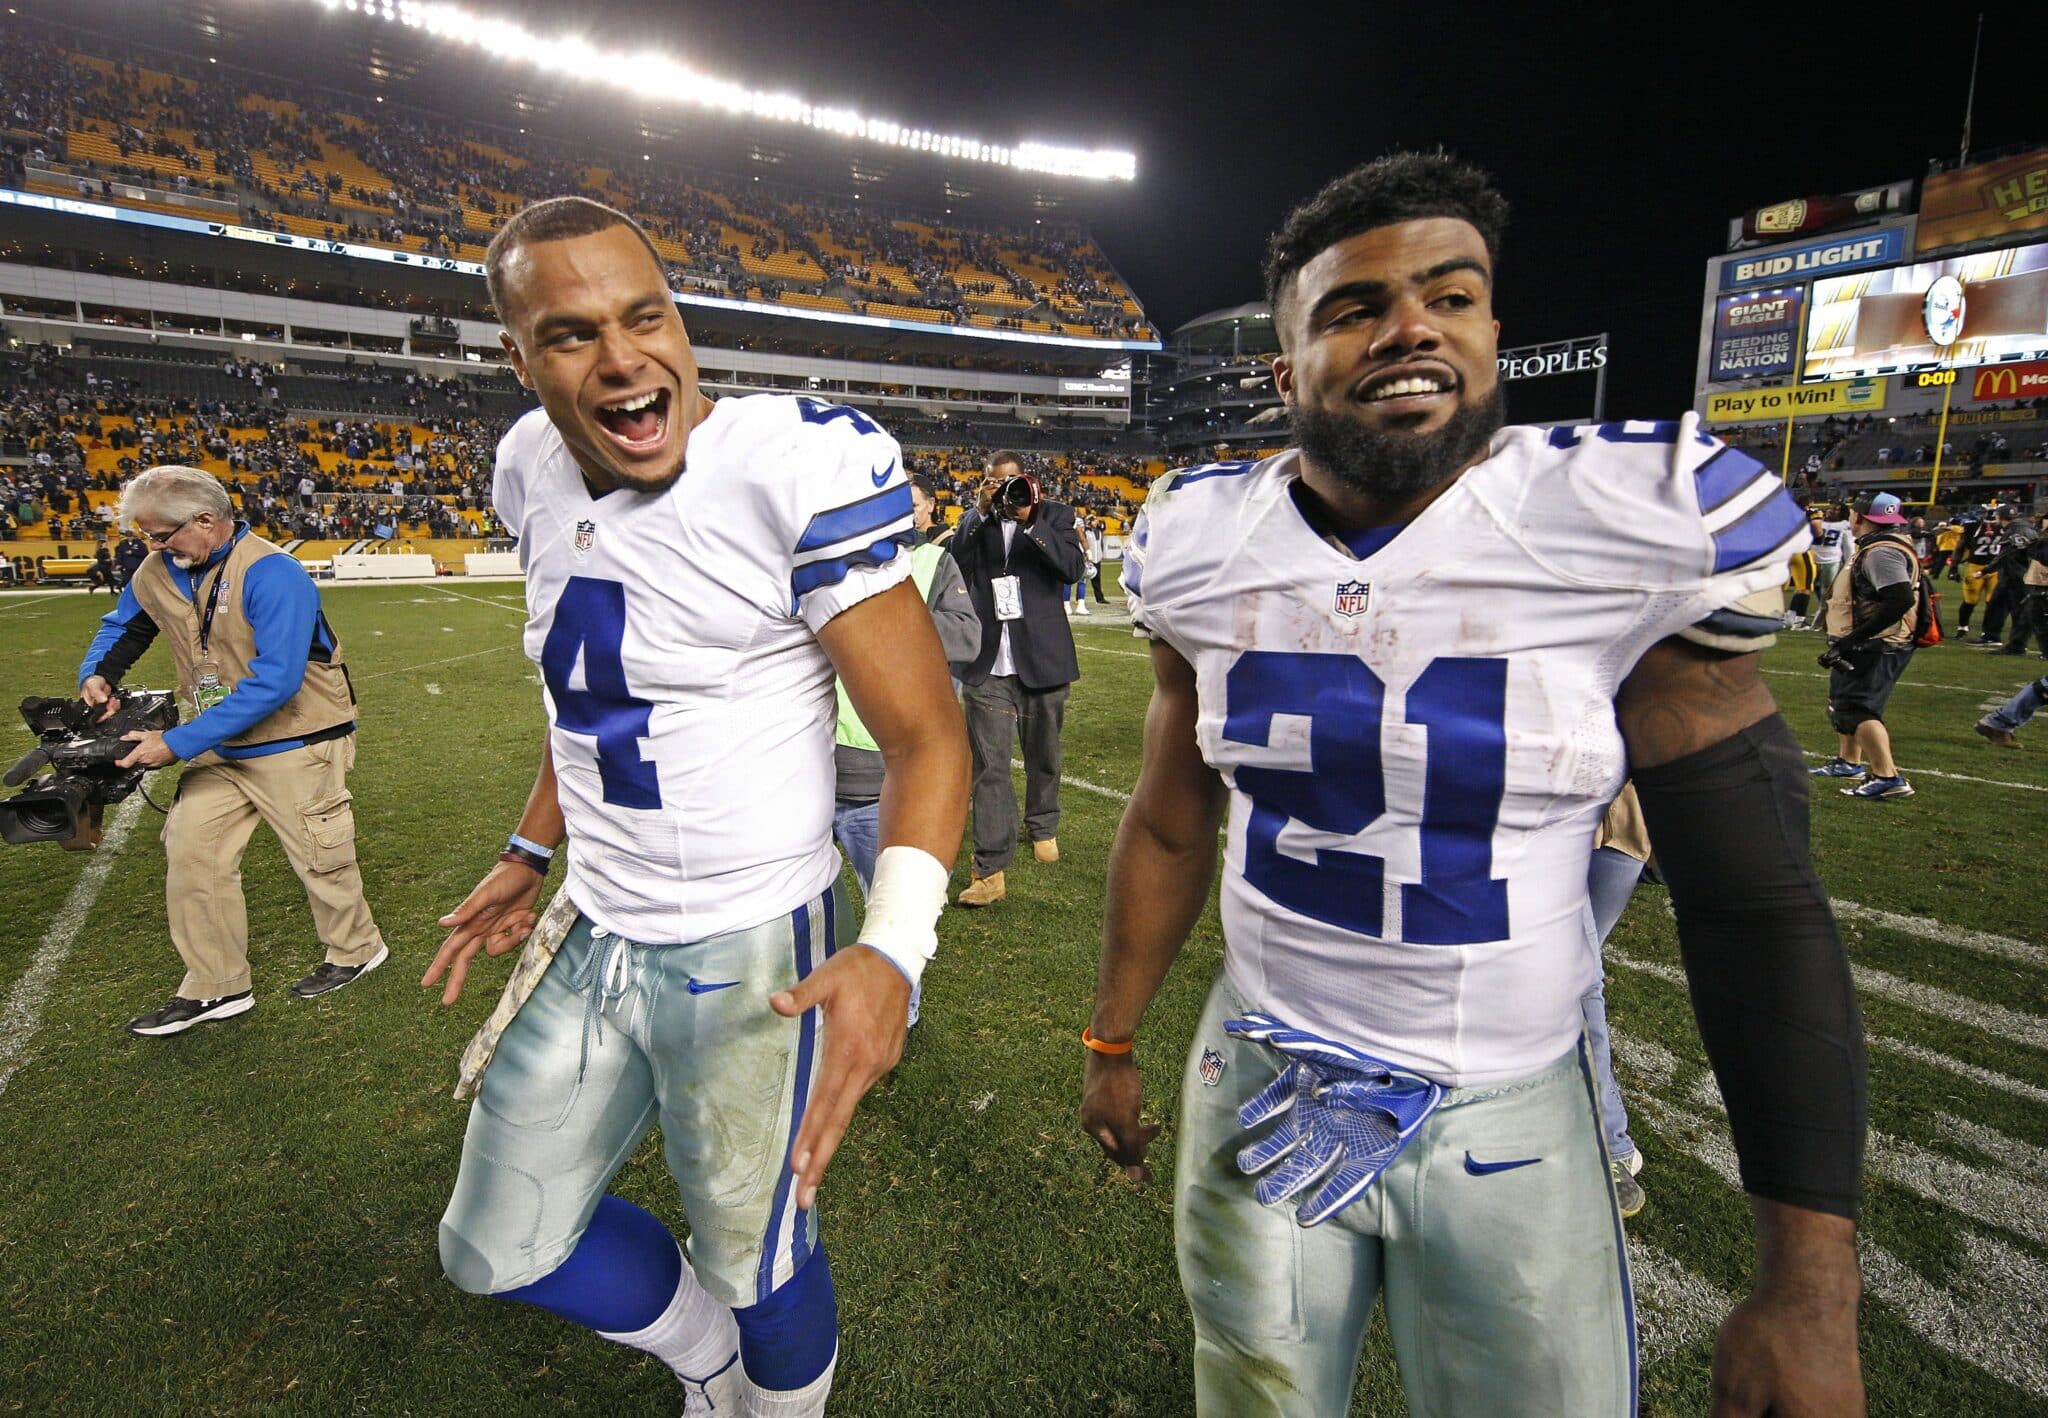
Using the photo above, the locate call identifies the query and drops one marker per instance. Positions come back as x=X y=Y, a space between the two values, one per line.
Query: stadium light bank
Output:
x=660 y=78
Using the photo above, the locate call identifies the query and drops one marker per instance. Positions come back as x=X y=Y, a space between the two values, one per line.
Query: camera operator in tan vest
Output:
x=270 y=735
x=1869 y=616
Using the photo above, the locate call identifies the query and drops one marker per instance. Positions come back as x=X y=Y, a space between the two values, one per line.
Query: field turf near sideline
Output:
x=241 y=1220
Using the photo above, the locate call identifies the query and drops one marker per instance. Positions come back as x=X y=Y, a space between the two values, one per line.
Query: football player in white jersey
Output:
x=1415 y=655
x=696 y=575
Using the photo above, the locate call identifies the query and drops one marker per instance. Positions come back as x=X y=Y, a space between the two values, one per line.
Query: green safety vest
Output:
x=924 y=564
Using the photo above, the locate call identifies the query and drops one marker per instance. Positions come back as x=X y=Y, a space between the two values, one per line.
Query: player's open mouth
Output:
x=639 y=422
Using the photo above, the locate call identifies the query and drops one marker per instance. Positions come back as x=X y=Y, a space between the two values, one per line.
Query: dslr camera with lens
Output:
x=1019 y=494
x=81 y=752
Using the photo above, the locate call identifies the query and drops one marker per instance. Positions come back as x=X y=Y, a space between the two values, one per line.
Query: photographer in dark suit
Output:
x=1018 y=553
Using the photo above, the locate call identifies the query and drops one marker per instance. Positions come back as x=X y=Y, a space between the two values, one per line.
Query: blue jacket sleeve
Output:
x=124 y=633
x=283 y=605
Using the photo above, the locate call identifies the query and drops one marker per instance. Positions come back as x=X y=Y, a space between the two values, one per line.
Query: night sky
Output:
x=1624 y=148
x=1624 y=143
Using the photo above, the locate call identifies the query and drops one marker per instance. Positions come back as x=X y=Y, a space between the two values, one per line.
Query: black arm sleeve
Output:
x=1769 y=980
x=1883 y=613
x=135 y=637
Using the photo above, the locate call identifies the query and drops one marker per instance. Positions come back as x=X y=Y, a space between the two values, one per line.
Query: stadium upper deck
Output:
x=236 y=147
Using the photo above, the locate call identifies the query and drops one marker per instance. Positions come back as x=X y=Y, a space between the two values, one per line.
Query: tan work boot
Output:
x=1046 y=850
x=2003 y=738
x=983 y=890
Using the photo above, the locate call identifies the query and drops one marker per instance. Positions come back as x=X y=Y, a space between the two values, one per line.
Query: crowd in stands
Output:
x=348 y=169
x=69 y=432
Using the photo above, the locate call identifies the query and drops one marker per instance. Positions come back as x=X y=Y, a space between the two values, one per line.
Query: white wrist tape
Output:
x=904 y=902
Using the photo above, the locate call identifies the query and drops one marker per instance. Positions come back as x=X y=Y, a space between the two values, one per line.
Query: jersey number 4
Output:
x=1462 y=704
x=590 y=623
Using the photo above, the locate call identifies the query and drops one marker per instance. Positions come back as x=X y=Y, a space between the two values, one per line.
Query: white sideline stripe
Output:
x=1126 y=654
x=23 y=1013
x=14 y=605
x=1954 y=777
x=429 y=664
x=1674 y=1307
x=2008 y=1024
x=1082 y=783
x=1983 y=942
x=484 y=601
x=1904 y=683
x=1990 y=1313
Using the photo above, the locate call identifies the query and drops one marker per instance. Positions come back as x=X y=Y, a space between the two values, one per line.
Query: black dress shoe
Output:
x=179 y=1014
x=330 y=977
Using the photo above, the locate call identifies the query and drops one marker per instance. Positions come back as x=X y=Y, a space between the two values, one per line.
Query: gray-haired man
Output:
x=272 y=737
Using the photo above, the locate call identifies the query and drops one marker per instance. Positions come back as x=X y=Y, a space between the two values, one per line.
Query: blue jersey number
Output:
x=1462 y=703
x=818 y=411
x=590 y=620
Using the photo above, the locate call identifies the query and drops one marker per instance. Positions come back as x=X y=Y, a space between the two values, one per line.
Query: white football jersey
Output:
x=690 y=705
x=1420 y=743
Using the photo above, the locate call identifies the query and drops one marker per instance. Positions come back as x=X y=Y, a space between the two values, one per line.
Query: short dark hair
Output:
x=924 y=485
x=555 y=219
x=1400 y=187
x=1001 y=456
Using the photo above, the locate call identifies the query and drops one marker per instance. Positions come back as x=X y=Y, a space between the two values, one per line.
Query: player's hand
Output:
x=496 y=917
x=866 y=1005
x=1789 y=1354
x=99 y=694
x=150 y=750
x=1111 y=1096
x=985 y=495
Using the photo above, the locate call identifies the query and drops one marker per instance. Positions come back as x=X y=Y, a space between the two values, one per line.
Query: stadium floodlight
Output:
x=662 y=78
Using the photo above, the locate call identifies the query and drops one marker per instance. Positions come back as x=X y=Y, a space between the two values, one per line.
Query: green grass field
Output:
x=241 y=1220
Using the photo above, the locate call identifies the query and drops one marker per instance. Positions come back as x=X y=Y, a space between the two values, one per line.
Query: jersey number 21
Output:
x=1462 y=703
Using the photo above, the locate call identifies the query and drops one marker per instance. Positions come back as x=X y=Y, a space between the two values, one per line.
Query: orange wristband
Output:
x=1101 y=1048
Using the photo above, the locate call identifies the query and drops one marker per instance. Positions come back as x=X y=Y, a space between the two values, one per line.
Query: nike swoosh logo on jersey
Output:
x=1481 y=1169
x=880 y=475
x=699 y=987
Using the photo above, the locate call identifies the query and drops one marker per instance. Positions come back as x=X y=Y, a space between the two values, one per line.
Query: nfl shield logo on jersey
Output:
x=586 y=537
x=1351 y=597
x=1211 y=1067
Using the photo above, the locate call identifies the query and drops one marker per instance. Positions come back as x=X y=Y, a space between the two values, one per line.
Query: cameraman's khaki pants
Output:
x=302 y=794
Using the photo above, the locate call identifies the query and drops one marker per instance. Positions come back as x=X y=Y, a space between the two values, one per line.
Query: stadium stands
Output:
x=346 y=170
x=395 y=461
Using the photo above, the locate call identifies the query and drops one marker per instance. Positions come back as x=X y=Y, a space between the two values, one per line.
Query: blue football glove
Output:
x=1343 y=1117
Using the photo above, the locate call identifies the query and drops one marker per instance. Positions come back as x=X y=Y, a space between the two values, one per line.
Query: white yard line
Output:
x=429 y=664
x=1991 y=1312
x=1920 y=1053
x=2009 y=1024
x=1100 y=650
x=486 y=601
x=1674 y=1307
x=1903 y=683
x=1083 y=784
x=1983 y=942
x=22 y=1014
x=14 y=605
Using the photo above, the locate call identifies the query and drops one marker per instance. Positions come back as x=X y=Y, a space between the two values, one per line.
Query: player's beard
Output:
x=1392 y=465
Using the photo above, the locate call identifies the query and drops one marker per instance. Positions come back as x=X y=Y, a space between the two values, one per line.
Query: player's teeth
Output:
x=634 y=405
x=1406 y=386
